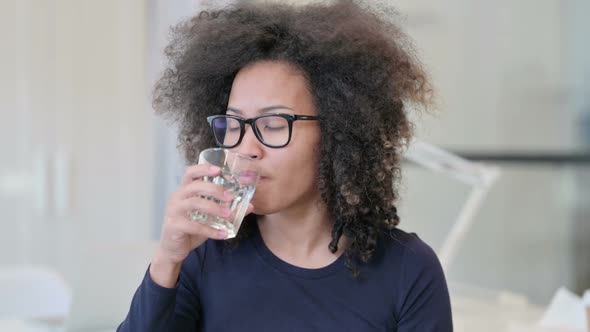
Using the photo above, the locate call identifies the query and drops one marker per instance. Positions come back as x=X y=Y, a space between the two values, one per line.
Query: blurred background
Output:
x=86 y=167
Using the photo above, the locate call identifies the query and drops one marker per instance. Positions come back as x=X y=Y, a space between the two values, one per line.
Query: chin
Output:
x=261 y=211
x=265 y=202
x=262 y=207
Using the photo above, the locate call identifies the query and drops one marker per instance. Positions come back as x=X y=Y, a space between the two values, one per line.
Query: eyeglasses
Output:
x=272 y=130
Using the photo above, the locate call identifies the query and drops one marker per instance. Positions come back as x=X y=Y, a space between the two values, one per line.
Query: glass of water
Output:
x=238 y=176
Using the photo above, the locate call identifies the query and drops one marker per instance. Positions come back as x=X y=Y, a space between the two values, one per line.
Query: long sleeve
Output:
x=158 y=309
x=426 y=305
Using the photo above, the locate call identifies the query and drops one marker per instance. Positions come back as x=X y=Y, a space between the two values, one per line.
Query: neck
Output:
x=302 y=231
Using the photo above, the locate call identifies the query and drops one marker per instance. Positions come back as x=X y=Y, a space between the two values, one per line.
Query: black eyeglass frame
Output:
x=252 y=122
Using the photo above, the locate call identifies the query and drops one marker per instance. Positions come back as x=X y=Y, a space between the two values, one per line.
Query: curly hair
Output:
x=364 y=77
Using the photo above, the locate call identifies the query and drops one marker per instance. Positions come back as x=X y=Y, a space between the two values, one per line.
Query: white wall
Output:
x=73 y=79
x=577 y=67
x=169 y=163
x=502 y=87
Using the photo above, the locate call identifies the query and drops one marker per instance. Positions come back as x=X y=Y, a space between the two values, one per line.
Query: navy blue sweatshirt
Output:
x=248 y=288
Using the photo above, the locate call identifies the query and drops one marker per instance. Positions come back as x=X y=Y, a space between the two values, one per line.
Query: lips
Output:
x=251 y=177
x=249 y=174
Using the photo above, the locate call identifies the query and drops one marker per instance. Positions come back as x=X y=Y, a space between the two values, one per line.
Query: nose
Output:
x=250 y=145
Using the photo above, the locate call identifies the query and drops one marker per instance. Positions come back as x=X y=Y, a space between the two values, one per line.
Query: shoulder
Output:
x=409 y=262
x=407 y=249
x=421 y=288
x=198 y=258
x=216 y=255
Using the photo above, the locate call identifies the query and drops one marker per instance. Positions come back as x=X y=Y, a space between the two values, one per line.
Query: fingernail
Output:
x=222 y=234
x=226 y=212
x=214 y=169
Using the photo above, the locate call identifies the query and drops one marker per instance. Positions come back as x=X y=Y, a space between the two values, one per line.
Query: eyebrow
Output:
x=262 y=110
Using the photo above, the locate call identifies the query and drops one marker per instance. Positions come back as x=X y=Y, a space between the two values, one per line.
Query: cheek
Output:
x=294 y=173
x=297 y=170
x=293 y=169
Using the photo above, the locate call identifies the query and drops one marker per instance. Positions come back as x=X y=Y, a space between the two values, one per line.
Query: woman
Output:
x=319 y=249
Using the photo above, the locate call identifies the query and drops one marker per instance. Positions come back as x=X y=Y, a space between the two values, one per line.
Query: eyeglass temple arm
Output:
x=306 y=117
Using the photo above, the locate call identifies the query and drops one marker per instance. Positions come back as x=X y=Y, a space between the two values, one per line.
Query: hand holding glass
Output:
x=239 y=177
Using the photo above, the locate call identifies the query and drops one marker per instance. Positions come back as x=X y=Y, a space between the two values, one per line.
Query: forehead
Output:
x=263 y=84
